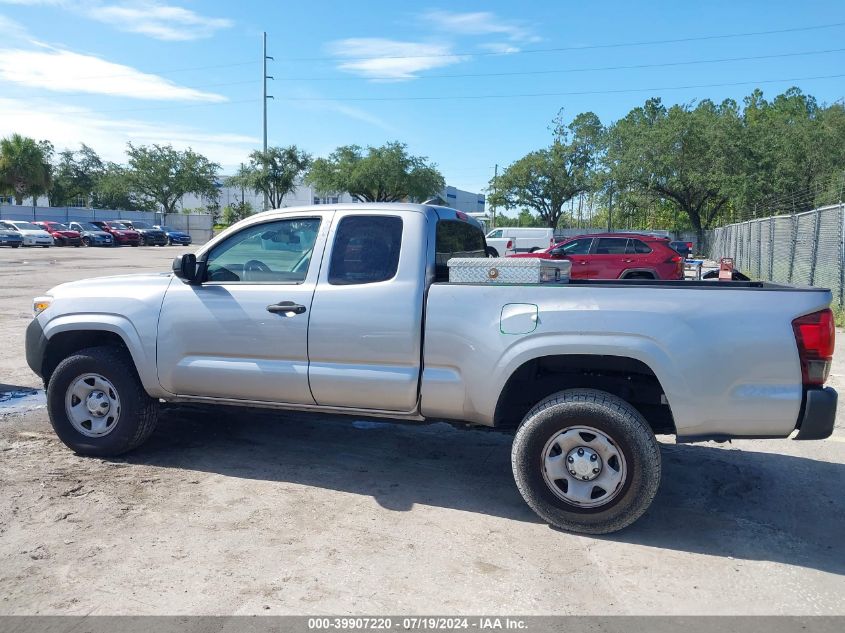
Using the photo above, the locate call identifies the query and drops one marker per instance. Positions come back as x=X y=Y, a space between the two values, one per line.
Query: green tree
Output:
x=75 y=176
x=381 y=174
x=163 y=175
x=691 y=157
x=25 y=166
x=274 y=173
x=114 y=190
x=545 y=180
x=237 y=211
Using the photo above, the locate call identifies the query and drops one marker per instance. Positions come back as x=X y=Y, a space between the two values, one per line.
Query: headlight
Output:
x=39 y=304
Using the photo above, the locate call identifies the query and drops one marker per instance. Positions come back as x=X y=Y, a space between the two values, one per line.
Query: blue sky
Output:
x=188 y=73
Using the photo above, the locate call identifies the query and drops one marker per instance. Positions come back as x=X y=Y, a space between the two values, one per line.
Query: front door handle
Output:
x=288 y=308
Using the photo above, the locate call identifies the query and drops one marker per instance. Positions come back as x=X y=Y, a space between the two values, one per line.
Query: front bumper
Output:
x=10 y=241
x=819 y=414
x=36 y=346
x=37 y=241
x=182 y=240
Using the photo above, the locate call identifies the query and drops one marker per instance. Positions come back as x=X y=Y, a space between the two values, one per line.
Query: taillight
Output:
x=815 y=336
x=675 y=259
x=510 y=245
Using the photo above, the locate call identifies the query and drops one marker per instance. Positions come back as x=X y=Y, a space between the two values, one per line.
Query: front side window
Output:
x=497 y=233
x=272 y=252
x=575 y=247
x=611 y=246
x=366 y=249
x=455 y=239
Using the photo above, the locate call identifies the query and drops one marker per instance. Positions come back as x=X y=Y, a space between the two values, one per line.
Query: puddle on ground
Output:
x=21 y=400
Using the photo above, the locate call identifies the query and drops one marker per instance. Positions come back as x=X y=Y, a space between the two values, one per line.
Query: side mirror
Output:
x=185 y=267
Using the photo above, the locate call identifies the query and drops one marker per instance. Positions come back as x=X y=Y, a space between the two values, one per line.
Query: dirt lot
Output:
x=243 y=512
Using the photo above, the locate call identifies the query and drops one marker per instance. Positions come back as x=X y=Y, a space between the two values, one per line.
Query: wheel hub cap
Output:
x=584 y=463
x=97 y=403
x=92 y=405
x=583 y=466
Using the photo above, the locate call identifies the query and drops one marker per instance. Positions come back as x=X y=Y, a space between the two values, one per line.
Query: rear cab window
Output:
x=455 y=238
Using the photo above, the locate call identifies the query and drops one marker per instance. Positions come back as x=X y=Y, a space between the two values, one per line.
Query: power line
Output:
x=169 y=72
x=559 y=94
x=175 y=107
x=104 y=94
x=556 y=49
x=576 y=70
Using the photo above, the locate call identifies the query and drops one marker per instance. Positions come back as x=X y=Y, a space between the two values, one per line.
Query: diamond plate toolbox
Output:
x=508 y=270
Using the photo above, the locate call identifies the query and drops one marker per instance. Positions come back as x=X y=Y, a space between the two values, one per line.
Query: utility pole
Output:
x=264 y=79
x=610 y=210
x=493 y=209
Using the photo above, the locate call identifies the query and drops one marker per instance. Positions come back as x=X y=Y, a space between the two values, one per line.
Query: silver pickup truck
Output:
x=348 y=309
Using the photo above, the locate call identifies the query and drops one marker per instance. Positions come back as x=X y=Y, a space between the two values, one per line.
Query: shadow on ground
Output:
x=728 y=503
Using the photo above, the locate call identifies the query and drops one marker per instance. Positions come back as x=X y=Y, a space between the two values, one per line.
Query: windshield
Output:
x=167 y=229
x=58 y=226
x=27 y=226
x=118 y=225
x=87 y=226
x=141 y=225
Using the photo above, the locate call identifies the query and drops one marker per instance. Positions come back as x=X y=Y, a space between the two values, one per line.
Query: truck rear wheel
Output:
x=586 y=461
x=97 y=404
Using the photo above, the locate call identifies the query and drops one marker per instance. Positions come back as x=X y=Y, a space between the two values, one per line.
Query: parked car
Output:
x=120 y=232
x=617 y=256
x=8 y=237
x=61 y=234
x=92 y=235
x=362 y=321
x=31 y=234
x=506 y=240
x=682 y=248
x=150 y=235
x=182 y=238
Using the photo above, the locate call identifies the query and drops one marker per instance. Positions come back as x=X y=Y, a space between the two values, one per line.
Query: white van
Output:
x=507 y=240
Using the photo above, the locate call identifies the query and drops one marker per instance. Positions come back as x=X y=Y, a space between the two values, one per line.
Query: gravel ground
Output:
x=229 y=511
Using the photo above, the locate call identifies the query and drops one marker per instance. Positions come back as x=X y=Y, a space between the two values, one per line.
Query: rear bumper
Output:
x=819 y=414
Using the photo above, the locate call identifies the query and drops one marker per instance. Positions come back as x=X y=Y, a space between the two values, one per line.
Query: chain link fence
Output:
x=806 y=249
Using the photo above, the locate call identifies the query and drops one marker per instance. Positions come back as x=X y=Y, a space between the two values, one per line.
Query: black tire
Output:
x=15 y=245
x=86 y=241
x=492 y=252
x=45 y=246
x=639 y=276
x=611 y=416
x=169 y=242
x=138 y=411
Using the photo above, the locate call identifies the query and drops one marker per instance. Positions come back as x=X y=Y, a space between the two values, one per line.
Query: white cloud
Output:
x=393 y=60
x=159 y=21
x=65 y=71
x=148 y=17
x=482 y=23
x=11 y=30
x=67 y=126
x=500 y=47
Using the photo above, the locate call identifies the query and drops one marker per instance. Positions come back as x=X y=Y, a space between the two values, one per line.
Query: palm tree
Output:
x=24 y=166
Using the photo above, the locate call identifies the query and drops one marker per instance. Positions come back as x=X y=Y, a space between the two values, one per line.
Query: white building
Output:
x=303 y=195
x=306 y=195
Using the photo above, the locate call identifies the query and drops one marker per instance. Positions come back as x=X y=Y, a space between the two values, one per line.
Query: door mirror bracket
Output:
x=185 y=268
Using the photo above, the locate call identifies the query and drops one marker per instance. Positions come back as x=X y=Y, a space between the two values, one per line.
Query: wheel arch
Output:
x=68 y=334
x=629 y=378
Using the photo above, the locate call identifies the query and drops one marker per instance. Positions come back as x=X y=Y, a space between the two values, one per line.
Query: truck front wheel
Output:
x=586 y=461
x=97 y=404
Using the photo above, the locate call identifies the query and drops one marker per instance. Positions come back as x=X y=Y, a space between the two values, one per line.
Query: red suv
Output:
x=617 y=256
x=121 y=233
x=62 y=235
